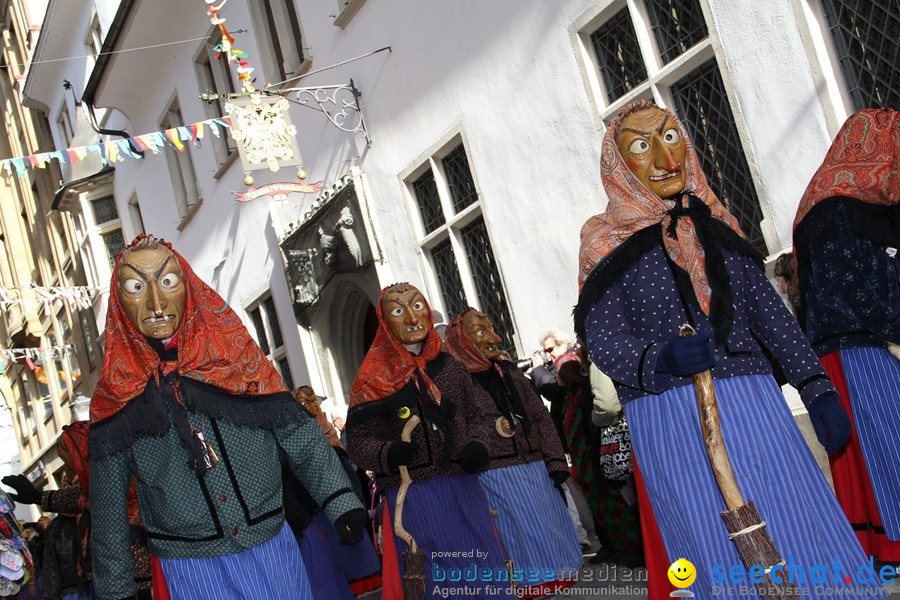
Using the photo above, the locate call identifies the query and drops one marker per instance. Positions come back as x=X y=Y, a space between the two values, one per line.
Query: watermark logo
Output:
x=682 y=573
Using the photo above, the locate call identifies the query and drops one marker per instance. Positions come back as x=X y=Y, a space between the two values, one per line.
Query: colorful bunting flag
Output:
x=117 y=150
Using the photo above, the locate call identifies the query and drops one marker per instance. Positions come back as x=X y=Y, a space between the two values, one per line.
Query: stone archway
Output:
x=343 y=328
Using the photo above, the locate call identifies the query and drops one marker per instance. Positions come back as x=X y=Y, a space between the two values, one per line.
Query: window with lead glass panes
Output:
x=269 y=335
x=634 y=48
x=866 y=39
x=109 y=225
x=453 y=235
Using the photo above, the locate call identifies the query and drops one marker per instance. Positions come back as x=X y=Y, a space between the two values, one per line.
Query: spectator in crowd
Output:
x=615 y=515
x=788 y=284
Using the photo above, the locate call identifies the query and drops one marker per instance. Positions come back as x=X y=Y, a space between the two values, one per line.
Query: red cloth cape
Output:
x=214 y=347
x=388 y=365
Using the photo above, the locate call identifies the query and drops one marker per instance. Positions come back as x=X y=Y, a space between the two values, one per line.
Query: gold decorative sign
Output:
x=261 y=126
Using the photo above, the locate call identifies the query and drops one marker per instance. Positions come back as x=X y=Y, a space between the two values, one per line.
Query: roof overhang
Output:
x=139 y=48
x=66 y=197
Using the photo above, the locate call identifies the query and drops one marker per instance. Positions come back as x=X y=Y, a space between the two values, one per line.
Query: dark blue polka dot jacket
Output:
x=627 y=321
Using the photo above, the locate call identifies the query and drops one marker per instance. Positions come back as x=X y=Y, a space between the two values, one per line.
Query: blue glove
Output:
x=683 y=356
x=830 y=421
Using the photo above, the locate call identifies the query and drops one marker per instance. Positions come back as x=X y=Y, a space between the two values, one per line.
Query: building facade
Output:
x=479 y=159
x=48 y=331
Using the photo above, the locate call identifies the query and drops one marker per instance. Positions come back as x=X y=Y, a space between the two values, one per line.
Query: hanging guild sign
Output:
x=261 y=126
x=330 y=241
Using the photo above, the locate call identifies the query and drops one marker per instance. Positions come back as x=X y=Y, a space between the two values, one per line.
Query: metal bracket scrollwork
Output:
x=340 y=103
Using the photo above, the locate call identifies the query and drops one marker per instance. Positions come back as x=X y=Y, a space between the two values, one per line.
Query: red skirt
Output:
x=851 y=479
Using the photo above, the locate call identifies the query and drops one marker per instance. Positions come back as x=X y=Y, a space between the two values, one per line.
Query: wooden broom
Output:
x=745 y=528
x=413 y=557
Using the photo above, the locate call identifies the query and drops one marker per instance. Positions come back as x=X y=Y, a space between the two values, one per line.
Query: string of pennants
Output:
x=117 y=150
x=75 y=296
x=32 y=354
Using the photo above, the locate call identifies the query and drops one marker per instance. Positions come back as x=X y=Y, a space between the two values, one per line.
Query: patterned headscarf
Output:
x=461 y=347
x=633 y=207
x=74 y=439
x=388 y=365
x=862 y=163
x=213 y=347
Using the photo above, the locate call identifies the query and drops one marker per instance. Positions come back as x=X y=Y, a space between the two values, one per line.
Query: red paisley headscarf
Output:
x=213 y=347
x=461 y=347
x=389 y=366
x=633 y=207
x=74 y=438
x=862 y=163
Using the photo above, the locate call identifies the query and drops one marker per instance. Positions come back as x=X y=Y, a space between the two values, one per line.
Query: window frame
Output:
x=275 y=68
x=105 y=228
x=93 y=39
x=215 y=75
x=454 y=224
x=261 y=302
x=187 y=194
x=64 y=125
x=823 y=56
x=660 y=79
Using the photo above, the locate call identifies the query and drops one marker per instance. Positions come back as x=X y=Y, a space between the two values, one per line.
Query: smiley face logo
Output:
x=682 y=573
x=403 y=412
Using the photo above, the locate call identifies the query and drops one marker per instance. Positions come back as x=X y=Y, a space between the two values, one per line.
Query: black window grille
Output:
x=618 y=55
x=459 y=178
x=866 y=37
x=105 y=210
x=274 y=324
x=256 y=317
x=486 y=277
x=426 y=192
x=115 y=243
x=285 y=369
x=448 y=278
x=702 y=104
x=677 y=26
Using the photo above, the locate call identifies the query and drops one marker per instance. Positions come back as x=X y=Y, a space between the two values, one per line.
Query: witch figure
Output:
x=406 y=374
x=667 y=252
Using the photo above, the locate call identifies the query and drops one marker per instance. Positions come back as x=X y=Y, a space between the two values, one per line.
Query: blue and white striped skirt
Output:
x=535 y=527
x=272 y=569
x=773 y=467
x=327 y=582
x=450 y=521
x=356 y=561
x=873 y=381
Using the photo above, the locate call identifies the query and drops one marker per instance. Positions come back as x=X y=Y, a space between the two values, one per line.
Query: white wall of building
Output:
x=506 y=75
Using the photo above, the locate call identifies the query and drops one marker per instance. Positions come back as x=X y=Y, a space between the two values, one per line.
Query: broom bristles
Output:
x=755 y=547
x=414 y=575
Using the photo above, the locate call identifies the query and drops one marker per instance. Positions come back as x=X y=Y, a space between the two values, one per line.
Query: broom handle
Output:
x=712 y=434
x=401 y=533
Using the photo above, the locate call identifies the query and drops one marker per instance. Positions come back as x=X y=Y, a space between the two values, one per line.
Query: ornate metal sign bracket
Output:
x=340 y=103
